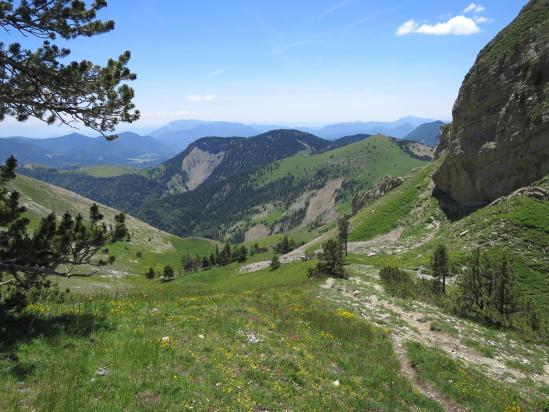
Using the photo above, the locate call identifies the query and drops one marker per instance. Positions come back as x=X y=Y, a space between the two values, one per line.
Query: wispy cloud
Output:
x=330 y=10
x=221 y=70
x=474 y=8
x=375 y=14
x=456 y=26
x=289 y=46
x=200 y=97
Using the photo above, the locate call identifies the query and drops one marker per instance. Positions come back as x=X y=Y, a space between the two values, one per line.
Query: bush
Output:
x=168 y=274
x=397 y=282
x=275 y=262
x=150 y=274
x=330 y=261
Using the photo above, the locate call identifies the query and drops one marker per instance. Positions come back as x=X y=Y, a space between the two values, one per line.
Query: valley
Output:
x=248 y=265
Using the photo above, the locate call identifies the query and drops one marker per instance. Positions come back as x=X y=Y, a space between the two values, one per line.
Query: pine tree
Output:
x=343 y=232
x=27 y=261
x=275 y=262
x=505 y=293
x=488 y=289
x=168 y=273
x=330 y=261
x=38 y=83
x=150 y=274
x=243 y=253
x=440 y=267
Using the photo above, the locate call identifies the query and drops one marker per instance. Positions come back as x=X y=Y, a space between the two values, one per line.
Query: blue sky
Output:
x=293 y=62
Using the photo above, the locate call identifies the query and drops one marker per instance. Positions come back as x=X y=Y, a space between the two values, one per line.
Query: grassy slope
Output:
x=466 y=385
x=107 y=170
x=518 y=224
x=158 y=248
x=212 y=319
x=365 y=162
x=235 y=342
x=387 y=212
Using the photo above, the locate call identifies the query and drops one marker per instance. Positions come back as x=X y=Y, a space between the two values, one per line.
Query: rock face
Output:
x=386 y=184
x=499 y=138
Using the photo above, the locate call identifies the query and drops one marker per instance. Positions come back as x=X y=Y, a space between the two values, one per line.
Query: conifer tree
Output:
x=330 y=261
x=168 y=273
x=55 y=249
x=275 y=262
x=150 y=274
x=343 y=232
x=39 y=84
x=440 y=267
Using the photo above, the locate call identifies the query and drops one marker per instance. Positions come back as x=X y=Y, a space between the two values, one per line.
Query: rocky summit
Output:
x=499 y=138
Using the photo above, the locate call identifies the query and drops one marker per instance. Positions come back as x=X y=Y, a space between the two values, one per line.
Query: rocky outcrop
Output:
x=386 y=184
x=535 y=192
x=499 y=138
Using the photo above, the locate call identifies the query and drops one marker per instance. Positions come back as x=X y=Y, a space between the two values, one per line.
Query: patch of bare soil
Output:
x=376 y=244
x=198 y=165
x=256 y=232
x=420 y=149
x=322 y=204
x=264 y=264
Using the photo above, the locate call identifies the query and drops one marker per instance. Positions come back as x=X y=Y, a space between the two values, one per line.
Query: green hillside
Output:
x=107 y=170
x=517 y=224
x=268 y=180
x=223 y=339
x=155 y=247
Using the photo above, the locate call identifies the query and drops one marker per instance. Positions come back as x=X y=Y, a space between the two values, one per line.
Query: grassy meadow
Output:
x=215 y=340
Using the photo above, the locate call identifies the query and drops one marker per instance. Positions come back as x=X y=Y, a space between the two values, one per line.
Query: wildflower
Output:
x=165 y=342
x=342 y=313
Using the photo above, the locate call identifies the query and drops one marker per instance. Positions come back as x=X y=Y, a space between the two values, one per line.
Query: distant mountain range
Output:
x=139 y=151
x=179 y=134
x=76 y=149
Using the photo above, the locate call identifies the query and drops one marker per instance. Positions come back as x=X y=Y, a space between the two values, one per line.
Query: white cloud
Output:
x=474 y=8
x=407 y=28
x=200 y=97
x=480 y=19
x=457 y=26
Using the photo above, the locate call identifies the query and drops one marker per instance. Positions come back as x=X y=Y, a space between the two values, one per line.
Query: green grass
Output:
x=384 y=214
x=468 y=386
x=107 y=170
x=231 y=342
x=367 y=160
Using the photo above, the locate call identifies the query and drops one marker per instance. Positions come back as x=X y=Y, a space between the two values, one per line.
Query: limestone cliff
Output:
x=499 y=138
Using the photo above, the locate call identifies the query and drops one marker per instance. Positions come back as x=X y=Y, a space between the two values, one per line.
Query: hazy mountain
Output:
x=75 y=149
x=180 y=133
x=427 y=133
x=399 y=128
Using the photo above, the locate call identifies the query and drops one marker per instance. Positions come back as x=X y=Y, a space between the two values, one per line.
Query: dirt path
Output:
x=410 y=372
x=429 y=326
